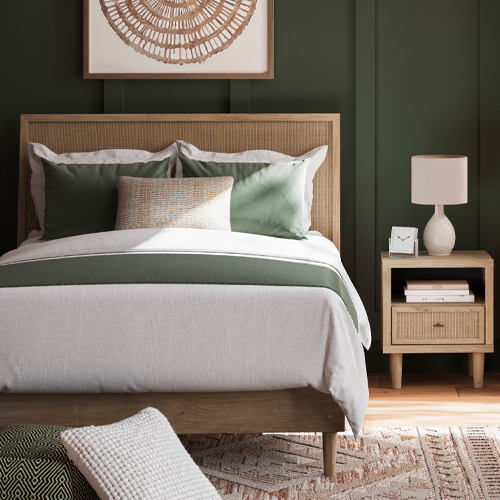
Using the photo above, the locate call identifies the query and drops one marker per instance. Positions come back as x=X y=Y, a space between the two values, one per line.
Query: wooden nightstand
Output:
x=443 y=327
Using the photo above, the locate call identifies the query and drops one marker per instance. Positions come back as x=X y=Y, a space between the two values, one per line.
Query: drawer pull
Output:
x=438 y=325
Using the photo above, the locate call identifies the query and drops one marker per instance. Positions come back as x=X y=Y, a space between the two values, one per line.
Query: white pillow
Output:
x=104 y=156
x=138 y=458
x=316 y=158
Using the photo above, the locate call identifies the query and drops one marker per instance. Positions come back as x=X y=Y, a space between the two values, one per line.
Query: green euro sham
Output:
x=267 y=198
x=83 y=198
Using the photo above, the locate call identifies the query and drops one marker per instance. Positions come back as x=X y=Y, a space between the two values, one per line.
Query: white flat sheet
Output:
x=158 y=338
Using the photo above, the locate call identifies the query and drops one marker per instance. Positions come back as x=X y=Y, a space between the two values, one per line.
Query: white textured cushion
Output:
x=316 y=158
x=139 y=458
x=37 y=151
x=193 y=203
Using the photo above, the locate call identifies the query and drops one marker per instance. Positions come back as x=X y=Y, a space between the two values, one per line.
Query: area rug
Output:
x=451 y=463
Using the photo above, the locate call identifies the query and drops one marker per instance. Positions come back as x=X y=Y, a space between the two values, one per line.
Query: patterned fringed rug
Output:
x=452 y=463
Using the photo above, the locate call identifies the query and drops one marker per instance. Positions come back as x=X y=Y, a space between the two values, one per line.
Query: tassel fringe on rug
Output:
x=450 y=463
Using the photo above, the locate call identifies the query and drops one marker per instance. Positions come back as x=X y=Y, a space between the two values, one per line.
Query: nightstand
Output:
x=442 y=327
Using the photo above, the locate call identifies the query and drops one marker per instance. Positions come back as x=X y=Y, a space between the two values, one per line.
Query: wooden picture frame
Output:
x=88 y=73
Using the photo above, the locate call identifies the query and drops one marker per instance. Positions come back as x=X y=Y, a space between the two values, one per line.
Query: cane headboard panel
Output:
x=292 y=134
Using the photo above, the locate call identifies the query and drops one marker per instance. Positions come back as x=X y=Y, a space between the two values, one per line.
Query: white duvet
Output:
x=182 y=338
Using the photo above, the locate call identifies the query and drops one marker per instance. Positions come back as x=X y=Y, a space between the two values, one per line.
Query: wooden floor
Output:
x=433 y=400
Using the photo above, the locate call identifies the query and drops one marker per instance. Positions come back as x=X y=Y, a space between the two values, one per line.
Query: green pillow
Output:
x=34 y=464
x=267 y=198
x=83 y=198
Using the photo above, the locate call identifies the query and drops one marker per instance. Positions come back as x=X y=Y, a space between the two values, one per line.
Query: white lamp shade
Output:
x=439 y=180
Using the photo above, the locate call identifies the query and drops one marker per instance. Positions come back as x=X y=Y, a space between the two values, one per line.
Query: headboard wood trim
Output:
x=292 y=134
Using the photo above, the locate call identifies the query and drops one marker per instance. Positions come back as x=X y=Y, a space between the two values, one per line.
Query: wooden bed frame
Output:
x=294 y=410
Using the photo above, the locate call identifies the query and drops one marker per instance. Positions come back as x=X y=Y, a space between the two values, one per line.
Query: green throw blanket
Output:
x=174 y=269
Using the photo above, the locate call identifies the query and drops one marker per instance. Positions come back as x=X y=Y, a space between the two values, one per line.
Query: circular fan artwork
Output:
x=178 y=31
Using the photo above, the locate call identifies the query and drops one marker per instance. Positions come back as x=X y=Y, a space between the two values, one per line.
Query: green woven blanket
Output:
x=174 y=269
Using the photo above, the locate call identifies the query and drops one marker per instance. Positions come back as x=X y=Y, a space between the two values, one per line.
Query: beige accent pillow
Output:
x=196 y=203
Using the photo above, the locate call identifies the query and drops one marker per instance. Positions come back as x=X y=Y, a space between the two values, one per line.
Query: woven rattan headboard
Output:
x=292 y=134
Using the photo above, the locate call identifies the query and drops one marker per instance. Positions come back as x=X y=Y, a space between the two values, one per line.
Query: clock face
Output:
x=403 y=239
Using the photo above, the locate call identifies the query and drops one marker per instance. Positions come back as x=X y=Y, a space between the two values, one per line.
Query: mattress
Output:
x=219 y=312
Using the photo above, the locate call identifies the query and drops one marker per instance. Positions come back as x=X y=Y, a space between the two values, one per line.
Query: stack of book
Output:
x=438 y=291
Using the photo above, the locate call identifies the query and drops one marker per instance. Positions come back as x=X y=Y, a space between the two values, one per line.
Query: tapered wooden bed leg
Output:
x=329 y=452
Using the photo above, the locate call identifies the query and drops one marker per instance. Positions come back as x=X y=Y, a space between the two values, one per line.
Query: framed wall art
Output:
x=128 y=39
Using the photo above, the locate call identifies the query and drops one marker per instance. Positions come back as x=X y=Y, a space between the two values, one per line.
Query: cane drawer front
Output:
x=438 y=325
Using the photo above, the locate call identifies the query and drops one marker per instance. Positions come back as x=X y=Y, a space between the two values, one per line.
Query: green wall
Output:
x=408 y=77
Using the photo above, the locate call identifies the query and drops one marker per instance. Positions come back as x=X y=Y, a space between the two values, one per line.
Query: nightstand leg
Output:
x=471 y=371
x=396 y=370
x=478 y=369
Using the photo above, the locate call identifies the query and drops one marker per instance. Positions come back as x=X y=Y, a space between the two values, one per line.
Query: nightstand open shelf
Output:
x=451 y=327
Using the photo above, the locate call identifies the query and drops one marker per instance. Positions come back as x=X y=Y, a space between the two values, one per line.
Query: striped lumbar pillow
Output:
x=197 y=203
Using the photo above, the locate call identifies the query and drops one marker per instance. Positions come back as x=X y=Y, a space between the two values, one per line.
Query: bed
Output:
x=232 y=410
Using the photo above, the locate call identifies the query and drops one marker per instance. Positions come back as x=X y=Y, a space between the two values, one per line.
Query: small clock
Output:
x=403 y=242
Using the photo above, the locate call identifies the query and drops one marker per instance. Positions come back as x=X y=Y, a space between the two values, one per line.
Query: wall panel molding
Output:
x=239 y=96
x=366 y=154
x=113 y=96
x=489 y=132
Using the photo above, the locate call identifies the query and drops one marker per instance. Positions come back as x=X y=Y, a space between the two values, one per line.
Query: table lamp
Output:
x=439 y=180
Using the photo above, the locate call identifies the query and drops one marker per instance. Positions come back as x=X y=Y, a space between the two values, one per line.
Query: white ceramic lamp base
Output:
x=439 y=235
